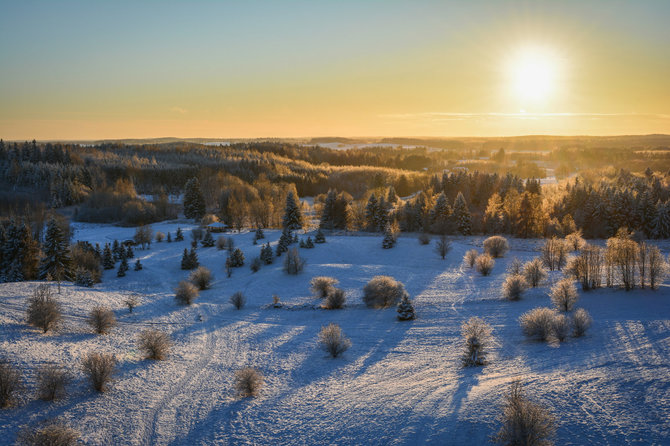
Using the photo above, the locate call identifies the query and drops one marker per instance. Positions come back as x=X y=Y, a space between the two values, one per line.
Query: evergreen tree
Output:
x=662 y=221
x=179 y=236
x=56 y=261
x=129 y=252
x=292 y=215
x=440 y=215
x=302 y=243
x=327 y=216
x=309 y=244
x=259 y=234
x=107 y=258
x=208 y=240
x=169 y=237
x=646 y=214
x=123 y=267
x=266 y=254
x=138 y=265
x=237 y=258
x=319 y=238
x=461 y=215
x=392 y=197
x=389 y=238
x=405 y=309
x=194 y=202
x=371 y=213
x=82 y=277
x=193 y=259
x=116 y=250
x=284 y=241
x=186 y=260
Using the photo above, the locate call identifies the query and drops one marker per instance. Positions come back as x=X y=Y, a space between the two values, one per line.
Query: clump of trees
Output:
x=496 y=246
x=51 y=382
x=322 y=286
x=534 y=272
x=335 y=299
x=10 y=382
x=564 y=295
x=201 y=278
x=293 y=263
x=51 y=432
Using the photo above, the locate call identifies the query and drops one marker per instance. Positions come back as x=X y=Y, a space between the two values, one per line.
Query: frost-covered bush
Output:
x=538 y=323
x=561 y=327
x=424 y=239
x=470 y=257
x=186 y=293
x=515 y=266
x=83 y=277
x=574 y=241
x=477 y=336
x=496 y=246
x=155 y=344
x=534 y=272
x=99 y=368
x=201 y=277
x=248 y=382
x=581 y=321
x=484 y=264
x=335 y=299
x=10 y=382
x=333 y=341
x=50 y=433
x=406 y=309
x=442 y=246
x=564 y=295
x=293 y=263
x=131 y=302
x=238 y=300
x=322 y=285
x=51 y=382
x=514 y=286
x=44 y=311
x=101 y=319
x=159 y=236
x=524 y=422
x=383 y=292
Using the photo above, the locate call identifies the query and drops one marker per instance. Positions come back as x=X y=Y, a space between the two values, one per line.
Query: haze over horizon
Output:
x=81 y=70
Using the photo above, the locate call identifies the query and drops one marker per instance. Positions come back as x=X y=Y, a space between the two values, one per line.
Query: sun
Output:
x=533 y=75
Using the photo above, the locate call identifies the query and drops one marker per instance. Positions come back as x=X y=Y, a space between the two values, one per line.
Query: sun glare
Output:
x=533 y=75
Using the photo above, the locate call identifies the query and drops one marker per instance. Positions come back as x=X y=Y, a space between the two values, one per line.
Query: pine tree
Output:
x=462 y=216
x=319 y=238
x=266 y=254
x=292 y=215
x=169 y=238
x=193 y=259
x=441 y=214
x=328 y=214
x=284 y=241
x=129 y=252
x=371 y=213
x=116 y=250
x=309 y=244
x=107 y=258
x=194 y=202
x=405 y=309
x=186 y=260
x=259 y=234
x=179 y=236
x=56 y=261
x=82 y=277
x=123 y=267
x=208 y=240
x=237 y=258
x=302 y=243
x=662 y=221
x=138 y=265
x=389 y=239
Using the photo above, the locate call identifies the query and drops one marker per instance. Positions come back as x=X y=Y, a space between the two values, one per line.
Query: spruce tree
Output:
x=371 y=213
x=328 y=214
x=440 y=214
x=123 y=267
x=169 y=238
x=461 y=215
x=208 y=240
x=389 y=238
x=237 y=258
x=129 y=252
x=107 y=257
x=284 y=241
x=56 y=261
x=292 y=215
x=405 y=309
x=319 y=238
x=138 y=265
x=266 y=254
x=186 y=260
x=194 y=202
x=179 y=236
x=309 y=244
x=193 y=259
x=302 y=243
x=259 y=234
x=116 y=250
x=662 y=221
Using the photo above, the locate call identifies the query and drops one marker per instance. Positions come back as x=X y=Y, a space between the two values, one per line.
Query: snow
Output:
x=399 y=383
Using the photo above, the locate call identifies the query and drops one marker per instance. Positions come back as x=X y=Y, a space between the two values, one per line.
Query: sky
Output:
x=219 y=69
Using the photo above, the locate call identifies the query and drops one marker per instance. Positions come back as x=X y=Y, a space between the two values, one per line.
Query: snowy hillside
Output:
x=400 y=382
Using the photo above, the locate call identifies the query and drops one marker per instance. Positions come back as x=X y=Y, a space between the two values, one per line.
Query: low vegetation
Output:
x=383 y=292
x=333 y=341
x=99 y=368
x=248 y=382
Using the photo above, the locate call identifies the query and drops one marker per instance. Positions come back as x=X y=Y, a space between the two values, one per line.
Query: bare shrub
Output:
x=99 y=367
x=335 y=299
x=514 y=286
x=383 y=292
x=155 y=344
x=564 y=295
x=10 y=383
x=561 y=327
x=515 y=266
x=554 y=254
x=131 y=302
x=534 y=272
x=51 y=382
x=101 y=319
x=50 y=433
x=622 y=253
x=574 y=241
x=484 y=264
x=524 y=422
x=424 y=239
x=333 y=341
x=587 y=267
x=581 y=321
x=159 y=236
x=276 y=301
x=201 y=277
x=477 y=336
x=657 y=267
x=44 y=311
x=322 y=285
x=186 y=293
x=470 y=257
x=238 y=300
x=248 y=382
x=221 y=243
x=293 y=263
x=442 y=246
x=538 y=323
x=496 y=246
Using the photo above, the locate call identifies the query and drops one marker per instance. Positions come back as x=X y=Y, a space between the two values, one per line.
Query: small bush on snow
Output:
x=424 y=239
x=538 y=323
x=335 y=299
x=10 y=382
x=561 y=327
x=99 y=367
x=496 y=246
x=470 y=257
x=155 y=344
x=574 y=241
x=248 y=382
x=524 y=422
x=102 y=320
x=50 y=433
x=534 y=272
x=564 y=295
x=238 y=300
x=51 y=382
x=201 y=277
x=477 y=336
x=514 y=286
x=333 y=341
x=484 y=264
x=515 y=266
x=322 y=285
x=383 y=292
x=581 y=321
x=293 y=263
x=185 y=293
x=406 y=309
x=44 y=311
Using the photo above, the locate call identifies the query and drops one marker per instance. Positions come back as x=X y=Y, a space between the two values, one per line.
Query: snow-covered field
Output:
x=399 y=383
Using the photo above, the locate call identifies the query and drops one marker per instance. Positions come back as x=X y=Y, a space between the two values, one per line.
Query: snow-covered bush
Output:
x=335 y=299
x=561 y=327
x=514 y=286
x=333 y=341
x=484 y=264
x=424 y=239
x=322 y=285
x=515 y=266
x=44 y=311
x=581 y=321
x=538 y=323
x=554 y=254
x=442 y=246
x=238 y=300
x=383 y=292
x=49 y=433
x=51 y=382
x=155 y=344
x=477 y=336
x=564 y=295
x=248 y=382
x=496 y=246
x=534 y=272
x=131 y=302
x=574 y=241
x=101 y=319
x=524 y=422
x=470 y=257
x=10 y=382
x=185 y=293
x=293 y=263
x=406 y=309
x=201 y=277
x=99 y=368
x=83 y=277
